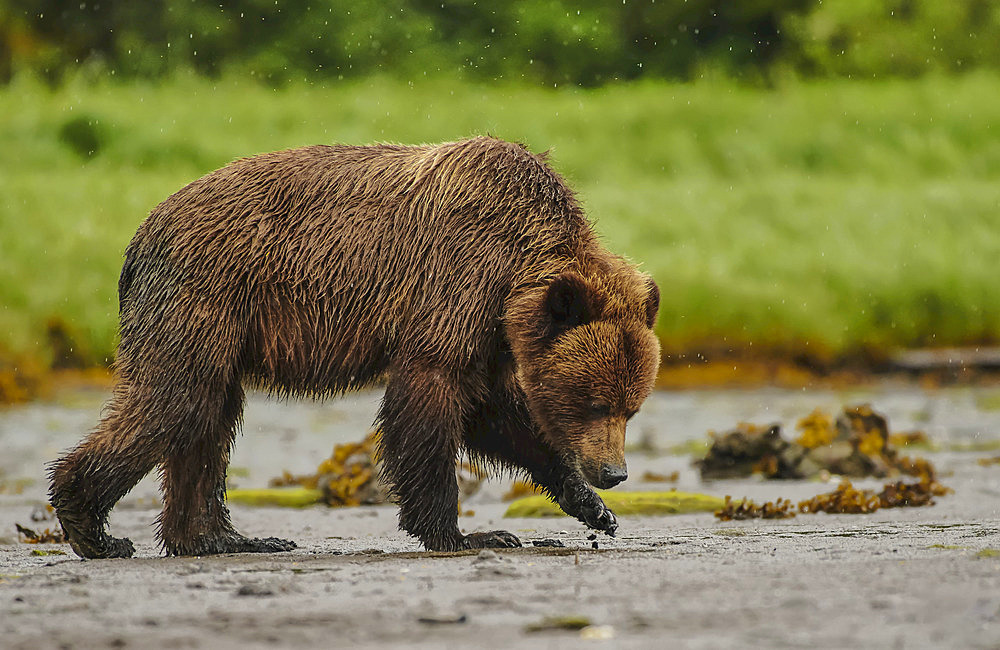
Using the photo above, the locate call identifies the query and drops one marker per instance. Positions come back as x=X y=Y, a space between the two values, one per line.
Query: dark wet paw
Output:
x=105 y=546
x=601 y=518
x=120 y=547
x=87 y=538
x=584 y=504
x=492 y=539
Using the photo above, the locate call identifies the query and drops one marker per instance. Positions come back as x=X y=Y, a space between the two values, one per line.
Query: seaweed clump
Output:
x=349 y=477
x=750 y=449
x=846 y=499
x=747 y=509
x=856 y=444
x=46 y=536
x=902 y=495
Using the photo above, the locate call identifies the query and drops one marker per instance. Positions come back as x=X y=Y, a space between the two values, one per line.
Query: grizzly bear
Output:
x=463 y=275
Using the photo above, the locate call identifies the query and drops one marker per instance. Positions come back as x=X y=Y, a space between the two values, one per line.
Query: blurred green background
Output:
x=819 y=180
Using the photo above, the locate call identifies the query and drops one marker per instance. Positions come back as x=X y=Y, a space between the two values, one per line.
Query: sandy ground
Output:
x=919 y=577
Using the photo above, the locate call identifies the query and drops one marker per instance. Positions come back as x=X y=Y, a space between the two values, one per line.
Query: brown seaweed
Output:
x=350 y=476
x=747 y=509
x=816 y=430
x=347 y=478
x=856 y=444
x=846 y=499
x=46 y=536
x=749 y=449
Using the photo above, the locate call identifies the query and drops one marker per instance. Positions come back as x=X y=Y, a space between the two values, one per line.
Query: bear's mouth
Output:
x=602 y=476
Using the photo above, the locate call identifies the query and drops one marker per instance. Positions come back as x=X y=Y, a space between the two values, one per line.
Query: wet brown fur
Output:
x=466 y=274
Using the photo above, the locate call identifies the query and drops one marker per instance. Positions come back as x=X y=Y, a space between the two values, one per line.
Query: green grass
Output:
x=826 y=216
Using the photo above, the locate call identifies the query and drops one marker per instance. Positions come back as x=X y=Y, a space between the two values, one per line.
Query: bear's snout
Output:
x=612 y=475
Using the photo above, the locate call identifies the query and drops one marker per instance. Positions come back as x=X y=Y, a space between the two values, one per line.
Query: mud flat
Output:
x=916 y=577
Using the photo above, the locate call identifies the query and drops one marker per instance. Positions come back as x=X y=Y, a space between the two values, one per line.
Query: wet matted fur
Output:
x=464 y=274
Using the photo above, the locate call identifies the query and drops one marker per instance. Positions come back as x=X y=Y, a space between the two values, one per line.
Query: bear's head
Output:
x=586 y=360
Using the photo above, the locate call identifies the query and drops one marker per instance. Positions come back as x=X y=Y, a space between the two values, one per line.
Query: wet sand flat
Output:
x=915 y=577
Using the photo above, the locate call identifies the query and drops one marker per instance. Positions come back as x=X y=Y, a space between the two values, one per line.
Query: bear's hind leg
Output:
x=88 y=481
x=195 y=519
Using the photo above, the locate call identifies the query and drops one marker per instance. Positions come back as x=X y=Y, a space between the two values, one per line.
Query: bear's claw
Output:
x=579 y=501
x=492 y=539
x=598 y=516
x=606 y=521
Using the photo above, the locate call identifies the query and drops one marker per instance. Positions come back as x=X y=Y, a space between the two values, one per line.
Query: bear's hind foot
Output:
x=232 y=543
x=491 y=539
x=92 y=545
x=103 y=546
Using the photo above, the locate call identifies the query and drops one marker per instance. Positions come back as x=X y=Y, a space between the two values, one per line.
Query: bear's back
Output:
x=380 y=246
x=295 y=211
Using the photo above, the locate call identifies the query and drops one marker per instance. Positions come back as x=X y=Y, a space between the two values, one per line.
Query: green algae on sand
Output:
x=285 y=497
x=624 y=503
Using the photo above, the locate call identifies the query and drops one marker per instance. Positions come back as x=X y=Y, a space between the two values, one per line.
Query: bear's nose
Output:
x=612 y=475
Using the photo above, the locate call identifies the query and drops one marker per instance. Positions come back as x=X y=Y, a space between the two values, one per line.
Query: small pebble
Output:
x=443 y=620
x=254 y=590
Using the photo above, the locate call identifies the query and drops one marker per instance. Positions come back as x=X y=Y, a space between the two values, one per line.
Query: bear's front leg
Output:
x=502 y=429
x=579 y=500
x=421 y=419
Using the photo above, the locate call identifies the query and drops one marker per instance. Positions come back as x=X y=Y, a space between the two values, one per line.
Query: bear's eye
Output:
x=600 y=410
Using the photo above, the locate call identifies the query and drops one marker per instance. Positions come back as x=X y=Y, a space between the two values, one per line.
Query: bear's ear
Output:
x=569 y=302
x=652 y=301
